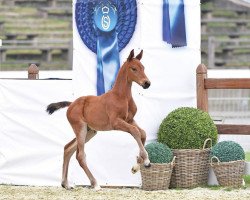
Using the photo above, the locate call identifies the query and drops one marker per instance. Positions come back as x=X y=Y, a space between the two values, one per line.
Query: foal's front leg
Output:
x=137 y=134
x=140 y=160
x=143 y=133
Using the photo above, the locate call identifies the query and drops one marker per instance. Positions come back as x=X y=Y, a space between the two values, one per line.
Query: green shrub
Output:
x=228 y=151
x=159 y=153
x=187 y=128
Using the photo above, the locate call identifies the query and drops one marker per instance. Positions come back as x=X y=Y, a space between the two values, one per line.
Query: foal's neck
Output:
x=122 y=85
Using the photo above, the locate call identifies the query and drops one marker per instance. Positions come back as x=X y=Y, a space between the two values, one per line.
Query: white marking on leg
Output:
x=97 y=187
x=144 y=155
x=147 y=162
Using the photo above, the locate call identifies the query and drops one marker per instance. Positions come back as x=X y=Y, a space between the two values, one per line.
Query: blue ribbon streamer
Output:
x=174 y=27
x=108 y=62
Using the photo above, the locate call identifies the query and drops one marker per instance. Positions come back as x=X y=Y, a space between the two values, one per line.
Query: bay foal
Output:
x=114 y=110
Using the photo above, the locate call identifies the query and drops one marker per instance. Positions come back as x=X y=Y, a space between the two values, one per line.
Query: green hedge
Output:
x=187 y=128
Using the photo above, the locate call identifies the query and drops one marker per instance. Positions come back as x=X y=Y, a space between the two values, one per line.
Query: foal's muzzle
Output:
x=146 y=84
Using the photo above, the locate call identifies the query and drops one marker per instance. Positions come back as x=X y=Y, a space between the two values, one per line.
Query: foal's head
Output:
x=135 y=70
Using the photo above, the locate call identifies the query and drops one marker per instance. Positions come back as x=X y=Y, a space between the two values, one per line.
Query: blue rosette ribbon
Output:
x=106 y=27
x=174 y=27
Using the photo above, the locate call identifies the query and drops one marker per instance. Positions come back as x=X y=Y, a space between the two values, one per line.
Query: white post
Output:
x=247 y=168
x=1 y=43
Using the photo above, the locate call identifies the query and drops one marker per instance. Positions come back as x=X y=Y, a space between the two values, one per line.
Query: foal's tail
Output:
x=56 y=106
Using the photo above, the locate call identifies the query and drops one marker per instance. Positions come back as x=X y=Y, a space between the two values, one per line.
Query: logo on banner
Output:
x=105 y=17
x=106 y=27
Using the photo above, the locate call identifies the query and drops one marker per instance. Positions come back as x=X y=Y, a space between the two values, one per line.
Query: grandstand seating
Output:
x=38 y=31
x=225 y=33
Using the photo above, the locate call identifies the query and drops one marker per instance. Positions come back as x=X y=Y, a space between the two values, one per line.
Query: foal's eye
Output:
x=133 y=69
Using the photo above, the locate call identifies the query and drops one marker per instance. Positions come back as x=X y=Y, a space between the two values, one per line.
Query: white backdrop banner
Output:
x=170 y=65
x=31 y=145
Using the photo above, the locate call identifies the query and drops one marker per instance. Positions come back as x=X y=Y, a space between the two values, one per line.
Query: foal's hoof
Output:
x=97 y=187
x=135 y=168
x=148 y=165
x=67 y=187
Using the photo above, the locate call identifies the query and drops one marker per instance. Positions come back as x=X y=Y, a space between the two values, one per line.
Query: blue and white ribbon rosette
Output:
x=106 y=27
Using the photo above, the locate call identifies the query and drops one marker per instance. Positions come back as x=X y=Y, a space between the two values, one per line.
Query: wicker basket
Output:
x=191 y=167
x=228 y=173
x=156 y=177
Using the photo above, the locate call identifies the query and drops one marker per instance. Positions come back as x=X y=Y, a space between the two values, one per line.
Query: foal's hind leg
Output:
x=81 y=133
x=69 y=150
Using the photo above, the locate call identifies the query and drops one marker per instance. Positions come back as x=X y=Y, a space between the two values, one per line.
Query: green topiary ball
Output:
x=187 y=128
x=159 y=153
x=228 y=151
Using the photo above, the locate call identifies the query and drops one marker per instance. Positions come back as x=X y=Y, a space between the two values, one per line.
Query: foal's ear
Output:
x=139 y=56
x=131 y=55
